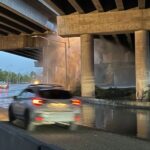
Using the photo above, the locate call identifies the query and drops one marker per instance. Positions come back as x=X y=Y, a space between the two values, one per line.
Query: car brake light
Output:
x=38 y=118
x=77 y=118
x=37 y=102
x=76 y=102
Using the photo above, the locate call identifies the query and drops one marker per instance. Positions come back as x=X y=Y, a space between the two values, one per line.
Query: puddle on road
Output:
x=133 y=122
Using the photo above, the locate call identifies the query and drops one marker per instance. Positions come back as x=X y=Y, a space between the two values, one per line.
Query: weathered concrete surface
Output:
x=20 y=41
x=104 y=23
x=87 y=66
x=114 y=64
x=141 y=62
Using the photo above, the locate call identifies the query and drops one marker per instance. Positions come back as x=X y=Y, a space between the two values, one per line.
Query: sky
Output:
x=17 y=64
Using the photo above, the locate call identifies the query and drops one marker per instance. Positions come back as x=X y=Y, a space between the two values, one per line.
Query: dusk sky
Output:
x=17 y=64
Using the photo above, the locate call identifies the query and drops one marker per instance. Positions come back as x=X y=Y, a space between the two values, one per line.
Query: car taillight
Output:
x=76 y=102
x=77 y=118
x=37 y=102
x=38 y=118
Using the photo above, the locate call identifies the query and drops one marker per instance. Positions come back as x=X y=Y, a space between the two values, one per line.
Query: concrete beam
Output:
x=141 y=4
x=12 y=31
x=19 y=42
x=76 y=6
x=104 y=23
x=14 y=42
x=26 y=11
x=20 y=53
x=53 y=7
x=12 y=27
x=3 y=32
x=98 y=5
x=119 y=4
x=19 y=23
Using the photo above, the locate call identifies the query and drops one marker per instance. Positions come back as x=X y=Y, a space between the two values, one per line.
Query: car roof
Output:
x=37 y=87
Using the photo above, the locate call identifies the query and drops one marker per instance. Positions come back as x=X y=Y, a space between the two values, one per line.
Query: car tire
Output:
x=11 y=115
x=73 y=126
x=29 y=126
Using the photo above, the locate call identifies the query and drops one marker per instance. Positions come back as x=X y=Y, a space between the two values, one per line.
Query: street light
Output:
x=60 y=42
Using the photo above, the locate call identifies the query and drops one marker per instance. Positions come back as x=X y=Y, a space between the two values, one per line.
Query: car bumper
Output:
x=53 y=117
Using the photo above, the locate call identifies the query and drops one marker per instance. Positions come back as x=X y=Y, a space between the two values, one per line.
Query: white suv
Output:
x=45 y=104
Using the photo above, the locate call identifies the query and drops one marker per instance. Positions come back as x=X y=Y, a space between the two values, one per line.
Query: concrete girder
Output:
x=53 y=7
x=19 y=42
x=19 y=53
x=6 y=21
x=141 y=4
x=22 y=9
x=119 y=4
x=20 y=23
x=98 y=5
x=104 y=23
x=3 y=32
x=7 y=32
x=11 y=27
x=76 y=6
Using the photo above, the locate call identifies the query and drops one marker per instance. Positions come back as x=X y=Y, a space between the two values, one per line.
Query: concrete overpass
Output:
x=105 y=17
x=122 y=21
x=19 y=18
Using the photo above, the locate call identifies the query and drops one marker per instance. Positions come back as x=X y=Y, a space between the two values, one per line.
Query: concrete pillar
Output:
x=45 y=65
x=87 y=66
x=141 y=62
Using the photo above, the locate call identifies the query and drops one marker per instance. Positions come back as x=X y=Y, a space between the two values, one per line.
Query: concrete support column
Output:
x=87 y=66
x=45 y=64
x=141 y=62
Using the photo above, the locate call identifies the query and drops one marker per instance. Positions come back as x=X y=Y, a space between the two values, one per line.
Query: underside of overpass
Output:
x=16 y=23
x=19 y=18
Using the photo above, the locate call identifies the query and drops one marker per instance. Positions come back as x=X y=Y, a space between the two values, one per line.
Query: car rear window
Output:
x=55 y=94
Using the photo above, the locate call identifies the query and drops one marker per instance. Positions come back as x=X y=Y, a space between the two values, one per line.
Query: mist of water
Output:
x=114 y=64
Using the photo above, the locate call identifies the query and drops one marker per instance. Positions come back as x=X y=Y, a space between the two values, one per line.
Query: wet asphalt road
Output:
x=84 y=138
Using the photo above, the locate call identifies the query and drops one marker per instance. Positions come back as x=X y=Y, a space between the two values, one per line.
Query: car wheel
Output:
x=27 y=122
x=73 y=126
x=11 y=115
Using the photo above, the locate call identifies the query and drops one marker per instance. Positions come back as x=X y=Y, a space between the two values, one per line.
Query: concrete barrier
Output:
x=12 y=138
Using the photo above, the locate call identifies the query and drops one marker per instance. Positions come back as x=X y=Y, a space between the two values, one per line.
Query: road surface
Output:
x=83 y=139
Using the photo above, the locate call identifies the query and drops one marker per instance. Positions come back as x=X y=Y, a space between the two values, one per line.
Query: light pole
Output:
x=60 y=42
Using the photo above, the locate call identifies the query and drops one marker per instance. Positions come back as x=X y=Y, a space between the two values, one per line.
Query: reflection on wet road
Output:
x=134 y=122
